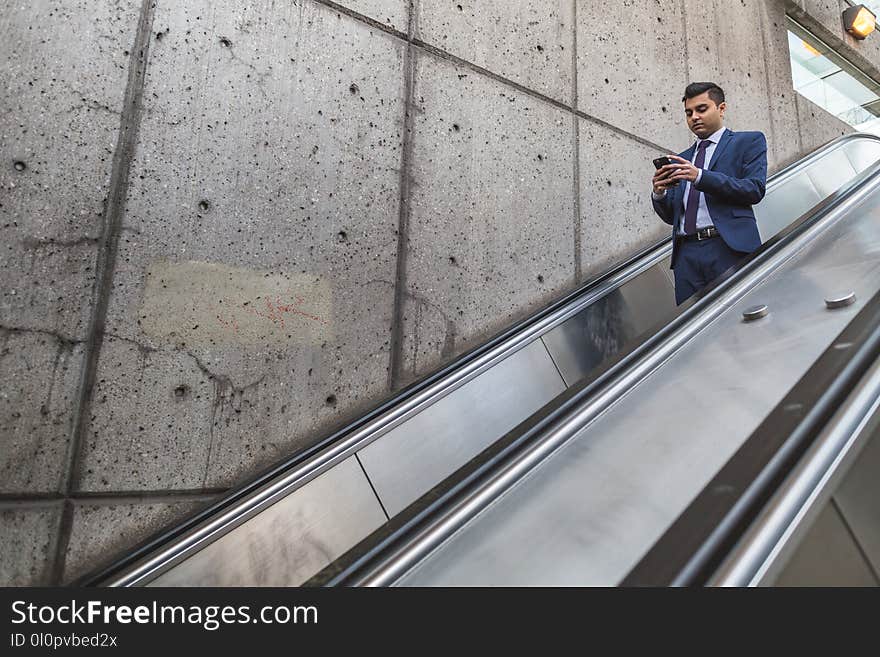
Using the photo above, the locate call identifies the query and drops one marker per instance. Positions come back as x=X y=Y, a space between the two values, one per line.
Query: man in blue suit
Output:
x=706 y=193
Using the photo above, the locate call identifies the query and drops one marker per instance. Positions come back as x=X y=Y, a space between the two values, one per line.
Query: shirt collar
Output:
x=715 y=137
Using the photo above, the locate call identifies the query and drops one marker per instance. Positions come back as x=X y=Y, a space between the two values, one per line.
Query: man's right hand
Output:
x=661 y=180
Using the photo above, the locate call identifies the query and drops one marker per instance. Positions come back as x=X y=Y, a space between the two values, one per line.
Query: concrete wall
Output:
x=229 y=227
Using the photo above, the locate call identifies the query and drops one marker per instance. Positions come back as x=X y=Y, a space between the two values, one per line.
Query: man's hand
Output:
x=684 y=170
x=662 y=180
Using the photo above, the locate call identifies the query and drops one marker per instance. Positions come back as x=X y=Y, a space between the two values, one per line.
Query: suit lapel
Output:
x=719 y=149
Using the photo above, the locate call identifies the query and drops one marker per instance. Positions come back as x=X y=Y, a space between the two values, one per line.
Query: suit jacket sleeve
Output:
x=747 y=190
x=663 y=207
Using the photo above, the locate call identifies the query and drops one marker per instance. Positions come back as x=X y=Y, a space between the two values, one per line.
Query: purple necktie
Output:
x=690 y=212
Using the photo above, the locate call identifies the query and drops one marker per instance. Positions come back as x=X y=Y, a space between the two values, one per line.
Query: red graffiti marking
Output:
x=275 y=312
x=230 y=324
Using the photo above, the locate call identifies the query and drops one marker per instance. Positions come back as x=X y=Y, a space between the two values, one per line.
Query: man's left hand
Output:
x=686 y=170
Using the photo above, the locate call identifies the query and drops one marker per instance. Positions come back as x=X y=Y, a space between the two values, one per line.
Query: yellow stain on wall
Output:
x=203 y=303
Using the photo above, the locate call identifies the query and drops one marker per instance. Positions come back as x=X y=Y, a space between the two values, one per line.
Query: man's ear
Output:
x=722 y=108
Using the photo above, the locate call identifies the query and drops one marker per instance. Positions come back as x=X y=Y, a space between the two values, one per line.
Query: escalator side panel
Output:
x=791 y=199
x=587 y=514
x=858 y=500
x=600 y=331
x=292 y=539
x=833 y=173
x=862 y=153
x=415 y=456
x=828 y=556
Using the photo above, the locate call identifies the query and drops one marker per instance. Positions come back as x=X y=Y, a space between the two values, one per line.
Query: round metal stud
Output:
x=840 y=300
x=755 y=312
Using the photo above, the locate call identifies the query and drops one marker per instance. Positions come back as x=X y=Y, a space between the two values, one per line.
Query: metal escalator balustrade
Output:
x=309 y=510
x=584 y=498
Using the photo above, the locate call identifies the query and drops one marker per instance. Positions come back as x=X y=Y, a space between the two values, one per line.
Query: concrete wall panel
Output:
x=100 y=532
x=491 y=226
x=63 y=67
x=268 y=156
x=726 y=45
x=37 y=394
x=27 y=543
x=632 y=67
x=784 y=144
x=58 y=132
x=817 y=127
x=616 y=213
x=529 y=43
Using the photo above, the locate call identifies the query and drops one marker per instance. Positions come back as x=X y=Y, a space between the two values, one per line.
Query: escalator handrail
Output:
x=391 y=550
x=244 y=501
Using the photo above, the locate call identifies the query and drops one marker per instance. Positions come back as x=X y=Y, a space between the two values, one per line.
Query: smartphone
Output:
x=663 y=161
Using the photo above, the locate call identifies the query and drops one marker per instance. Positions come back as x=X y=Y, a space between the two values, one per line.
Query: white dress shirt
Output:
x=703 y=218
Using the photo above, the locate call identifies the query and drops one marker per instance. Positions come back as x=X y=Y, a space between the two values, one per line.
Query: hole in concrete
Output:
x=204 y=205
x=607 y=81
x=341 y=236
x=18 y=165
x=460 y=8
x=159 y=36
x=354 y=89
x=608 y=182
x=456 y=127
x=663 y=109
x=540 y=48
x=452 y=260
x=540 y=278
x=225 y=42
x=331 y=400
x=540 y=157
x=180 y=392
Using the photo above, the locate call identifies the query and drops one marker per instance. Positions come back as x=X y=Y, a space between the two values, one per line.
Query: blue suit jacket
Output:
x=735 y=180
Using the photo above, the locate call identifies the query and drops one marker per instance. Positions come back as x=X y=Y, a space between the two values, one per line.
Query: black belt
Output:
x=702 y=234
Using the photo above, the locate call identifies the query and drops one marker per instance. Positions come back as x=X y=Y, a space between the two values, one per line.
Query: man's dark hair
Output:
x=694 y=89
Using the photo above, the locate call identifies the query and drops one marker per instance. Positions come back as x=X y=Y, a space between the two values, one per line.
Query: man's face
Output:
x=704 y=117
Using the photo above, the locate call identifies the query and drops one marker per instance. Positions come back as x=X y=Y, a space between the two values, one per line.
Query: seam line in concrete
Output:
x=372 y=487
x=105 y=265
x=765 y=43
x=684 y=39
x=372 y=22
x=36 y=503
x=442 y=54
x=576 y=155
x=855 y=540
x=403 y=211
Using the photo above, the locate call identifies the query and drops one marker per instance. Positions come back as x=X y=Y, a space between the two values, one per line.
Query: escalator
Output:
x=558 y=452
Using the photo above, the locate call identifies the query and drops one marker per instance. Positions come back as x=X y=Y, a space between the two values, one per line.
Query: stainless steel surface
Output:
x=291 y=540
x=828 y=556
x=863 y=149
x=588 y=513
x=833 y=173
x=755 y=312
x=862 y=153
x=858 y=499
x=605 y=327
x=785 y=202
x=414 y=457
x=840 y=300
x=771 y=540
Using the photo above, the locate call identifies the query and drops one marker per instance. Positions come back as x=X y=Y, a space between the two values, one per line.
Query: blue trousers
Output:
x=699 y=263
